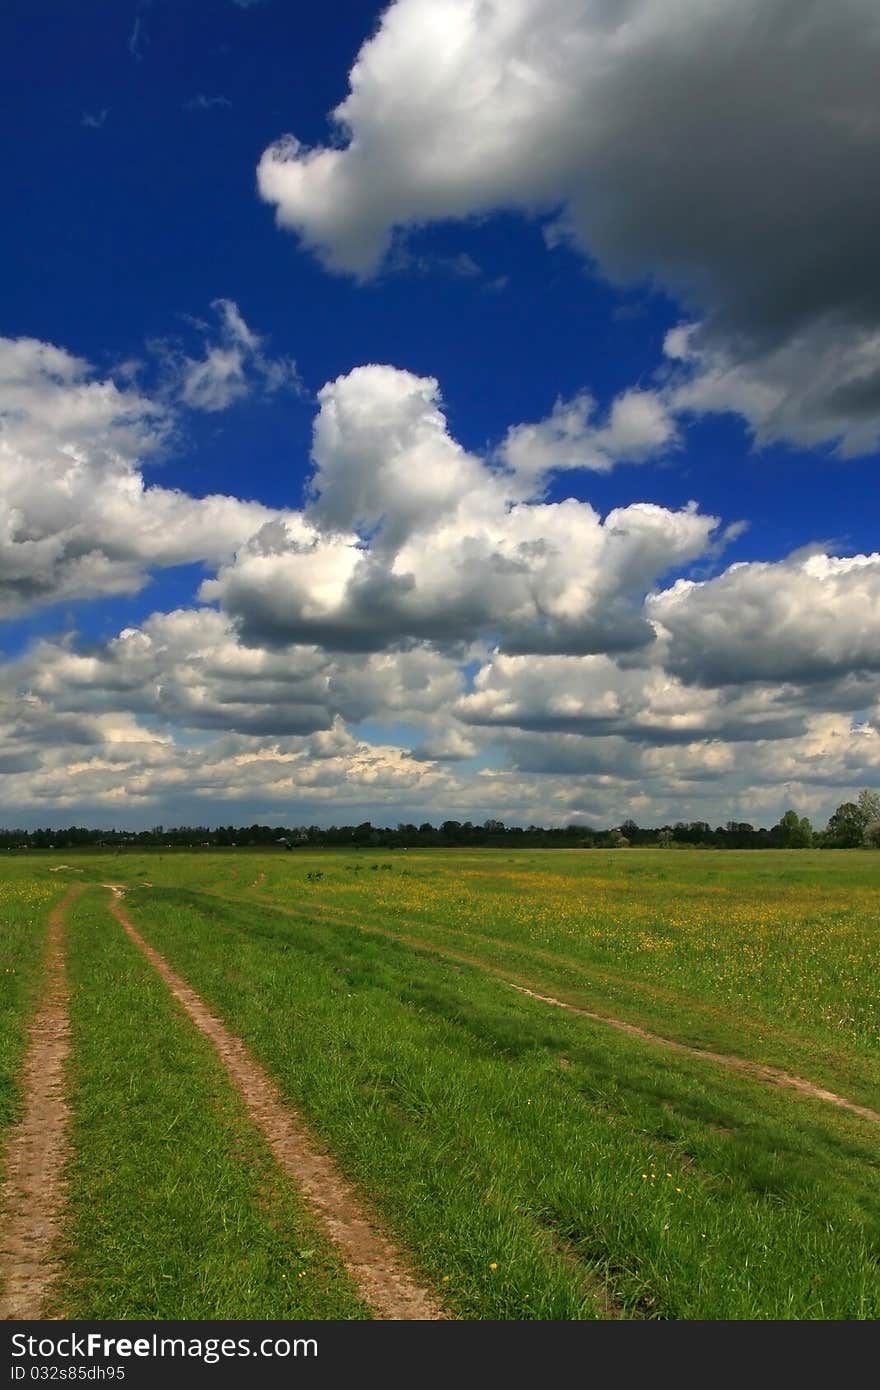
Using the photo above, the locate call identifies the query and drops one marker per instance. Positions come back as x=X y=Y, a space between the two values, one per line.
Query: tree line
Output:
x=854 y=824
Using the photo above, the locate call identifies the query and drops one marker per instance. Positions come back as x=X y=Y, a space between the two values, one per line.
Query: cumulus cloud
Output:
x=638 y=426
x=188 y=669
x=76 y=516
x=418 y=540
x=119 y=727
x=599 y=696
x=821 y=386
x=716 y=147
x=805 y=619
x=445 y=745
x=384 y=458
x=179 y=712
x=420 y=586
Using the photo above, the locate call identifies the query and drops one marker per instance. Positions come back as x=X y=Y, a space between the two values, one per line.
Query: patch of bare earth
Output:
x=376 y=1267
x=33 y=1193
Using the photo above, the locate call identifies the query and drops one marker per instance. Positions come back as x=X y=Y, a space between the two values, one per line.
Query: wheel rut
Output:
x=33 y=1191
x=760 y=1071
x=377 y=1268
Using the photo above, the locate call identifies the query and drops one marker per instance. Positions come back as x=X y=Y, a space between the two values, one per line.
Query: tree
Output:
x=847 y=826
x=872 y=835
x=793 y=832
x=868 y=803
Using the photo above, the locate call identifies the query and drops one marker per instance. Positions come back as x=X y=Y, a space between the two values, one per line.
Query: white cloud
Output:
x=638 y=426
x=418 y=540
x=715 y=147
x=599 y=696
x=188 y=670
x=233 y=366
x=807 y=619
x=76 y=516
x=120 y=730
x=447 y=744
x=383 y=456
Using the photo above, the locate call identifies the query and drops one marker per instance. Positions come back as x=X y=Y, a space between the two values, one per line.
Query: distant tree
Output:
x=847 y=826
x=617 y=840
x=851 y=822
x=665 y=836
x=868 y=803
x=793 y=832
x=872 y=835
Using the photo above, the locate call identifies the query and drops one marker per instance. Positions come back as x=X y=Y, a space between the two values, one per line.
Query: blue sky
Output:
x=505 y=446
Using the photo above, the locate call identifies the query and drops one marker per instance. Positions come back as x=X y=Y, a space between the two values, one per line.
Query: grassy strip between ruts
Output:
x=669 y=1013
x=525 y=1156
x=24 y=908
x=773 y=954
x=176 y=1207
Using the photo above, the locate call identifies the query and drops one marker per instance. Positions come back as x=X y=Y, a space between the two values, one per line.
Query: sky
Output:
x=443 y=409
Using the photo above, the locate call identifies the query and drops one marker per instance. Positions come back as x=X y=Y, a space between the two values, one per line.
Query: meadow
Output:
x=531 y=1158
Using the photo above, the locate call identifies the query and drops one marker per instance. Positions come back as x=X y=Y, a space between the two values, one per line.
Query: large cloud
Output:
x=180 y=714
x=77 y=518
x=802 y=620
x=597 y=696
x=188 y=670
x=719 y=147
x=418 y=540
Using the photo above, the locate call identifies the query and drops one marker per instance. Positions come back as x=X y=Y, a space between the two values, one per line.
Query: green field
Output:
x=529 y=1161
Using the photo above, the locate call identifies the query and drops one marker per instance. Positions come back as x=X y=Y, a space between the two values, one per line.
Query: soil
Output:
x=377 y=1268
x=33 y=1193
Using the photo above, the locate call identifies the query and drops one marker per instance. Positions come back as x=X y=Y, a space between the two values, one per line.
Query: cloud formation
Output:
x=718 y=148
x=638 y=426
x=77 y=518
x=805 y=619
x=416 y=540
x=539 y=661
x=234 y=366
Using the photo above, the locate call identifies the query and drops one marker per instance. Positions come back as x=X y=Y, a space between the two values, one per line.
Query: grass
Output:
x=176 y=1208
x=767 y=956
x=521 y=1154
x=533 y=1164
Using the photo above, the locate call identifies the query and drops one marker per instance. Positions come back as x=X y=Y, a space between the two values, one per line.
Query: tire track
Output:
x=760 y=1071
x=375 y=1265
x=33 y=1193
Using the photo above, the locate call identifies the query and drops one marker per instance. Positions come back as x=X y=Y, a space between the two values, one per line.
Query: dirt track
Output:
x=376 y=1267
x=757 y=1069
x=775 y=1076
x=33 y=1193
